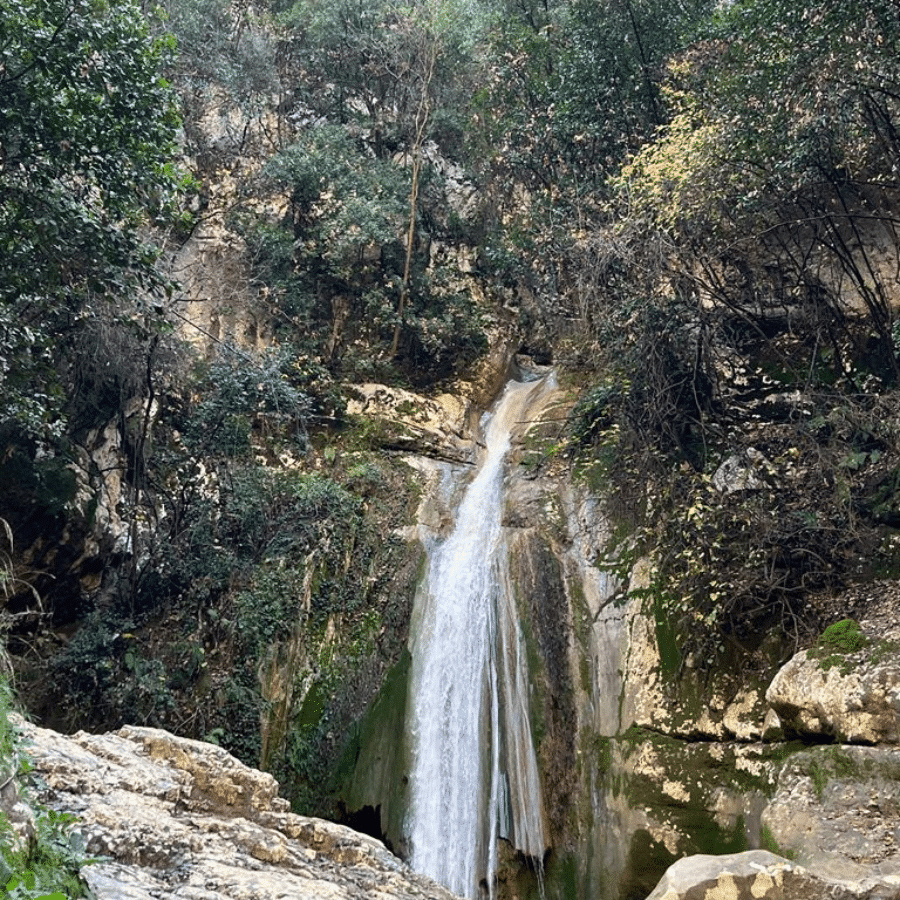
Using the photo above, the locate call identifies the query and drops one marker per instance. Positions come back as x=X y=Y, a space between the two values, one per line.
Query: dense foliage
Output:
x=744 y=284
x=87 y=126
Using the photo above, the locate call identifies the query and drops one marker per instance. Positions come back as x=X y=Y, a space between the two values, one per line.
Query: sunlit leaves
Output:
x=574 y=86
x=784 y=143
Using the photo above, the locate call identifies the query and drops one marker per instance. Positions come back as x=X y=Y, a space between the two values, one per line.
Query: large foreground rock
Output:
x=183 y=819
x=753 y=875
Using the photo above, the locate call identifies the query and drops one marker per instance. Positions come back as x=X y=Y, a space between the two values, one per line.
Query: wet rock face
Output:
x=176 y=817
x=536 y=573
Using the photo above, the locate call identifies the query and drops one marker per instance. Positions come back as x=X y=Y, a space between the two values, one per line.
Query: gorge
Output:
x=631 y=774
x=458 y=429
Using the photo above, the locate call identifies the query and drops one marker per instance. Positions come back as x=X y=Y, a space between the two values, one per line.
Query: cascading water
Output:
x=474 y=775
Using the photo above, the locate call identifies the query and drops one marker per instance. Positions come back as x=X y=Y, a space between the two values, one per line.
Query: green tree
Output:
x=571 y=90
x=391 y=77
x=574 y=87
x=87 y=128
x=744 y=282
x=361 y=63
x=777 y=175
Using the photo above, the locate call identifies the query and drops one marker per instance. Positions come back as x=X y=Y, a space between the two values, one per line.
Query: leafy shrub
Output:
x=445 y=332
x=109 y=678
x=838 y=641
x=47 y=866
x=843 y=637
x=241 y=390
x=596 y=410
x=266 y=611
x=87 y=667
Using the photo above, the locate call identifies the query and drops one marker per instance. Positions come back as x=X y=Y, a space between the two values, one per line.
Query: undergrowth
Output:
x=750 y=508
x=46 y=865
x=836 y=644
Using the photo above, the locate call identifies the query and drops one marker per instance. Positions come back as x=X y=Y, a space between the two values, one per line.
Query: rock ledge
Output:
x=176 y=818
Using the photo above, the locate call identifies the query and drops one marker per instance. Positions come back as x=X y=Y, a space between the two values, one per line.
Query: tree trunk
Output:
x=423 y=116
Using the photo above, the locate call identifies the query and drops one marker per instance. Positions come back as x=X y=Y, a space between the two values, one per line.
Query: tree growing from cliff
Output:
x=348 y=264
x=777 y=176
x=745 y=275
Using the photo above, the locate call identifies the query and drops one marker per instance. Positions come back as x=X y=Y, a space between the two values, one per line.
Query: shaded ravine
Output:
x=474 y=777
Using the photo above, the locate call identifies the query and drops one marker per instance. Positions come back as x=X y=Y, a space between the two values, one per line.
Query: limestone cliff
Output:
x=641 y=764
x=226 y=538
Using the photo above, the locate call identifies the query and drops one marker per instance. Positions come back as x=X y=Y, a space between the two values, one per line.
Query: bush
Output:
x=596 y=410
x=242 y=391
x=45 y=867
x=838 y=641
x=842 y=637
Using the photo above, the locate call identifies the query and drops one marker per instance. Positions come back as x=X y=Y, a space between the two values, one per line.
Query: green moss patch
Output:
x=372 y=769
x=837 y=643
x=647 y=860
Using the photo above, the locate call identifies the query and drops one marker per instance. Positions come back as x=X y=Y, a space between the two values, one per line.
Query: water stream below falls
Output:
x=474 y=776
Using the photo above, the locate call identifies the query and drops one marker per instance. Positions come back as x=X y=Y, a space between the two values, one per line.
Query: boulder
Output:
x=433 y=426
x=852 y=696
x=752 y=875
x=743 y=471
x=172 y=817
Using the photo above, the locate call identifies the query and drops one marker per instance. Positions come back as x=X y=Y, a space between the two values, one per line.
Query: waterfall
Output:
x=474 y=774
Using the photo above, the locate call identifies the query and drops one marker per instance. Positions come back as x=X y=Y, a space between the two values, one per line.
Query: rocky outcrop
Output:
x=433 y=426
x=833 y=809
x=679 y=768
x=843 y=693
x=753 y=875
x=172 y=817
x=836 y=811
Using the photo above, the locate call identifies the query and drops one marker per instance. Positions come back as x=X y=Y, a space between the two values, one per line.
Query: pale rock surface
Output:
x=17 y=812
x=752 y=875
x=645 y=699
x=429 y=425
x=856 y=701
x=176 y=818
x=836 y=809
x=745 y=716
x=744 y=471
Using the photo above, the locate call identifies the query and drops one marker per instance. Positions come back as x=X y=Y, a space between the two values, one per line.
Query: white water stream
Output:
x=474 y=776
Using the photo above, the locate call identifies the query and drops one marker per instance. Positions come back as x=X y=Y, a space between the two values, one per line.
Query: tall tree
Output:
x=87 y=128
x=375 y=83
